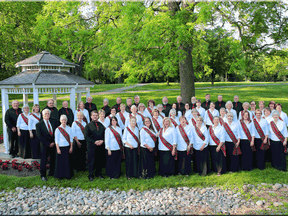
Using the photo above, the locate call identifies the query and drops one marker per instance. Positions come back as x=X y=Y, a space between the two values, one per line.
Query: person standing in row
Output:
x=229 y=108
x=206 y=103
x=65 y=110
x=129 y=104
x=136 y=100
x=89 y=106
x=121 y=116
x=220 y=103
x=106 y=107
x=139 y=121
x=179 y=105
x=245 y=106
x=237 y=105
x=81 y=107
x=200 y=109
x=166 y=106
x=209 y=115
x=118 y=103
x=34 y=118
x=54 y=115
x=192 y=105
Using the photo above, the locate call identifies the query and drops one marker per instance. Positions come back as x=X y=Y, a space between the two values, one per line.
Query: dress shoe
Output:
x=12 y=156
x=44 y=178
x=50 y=174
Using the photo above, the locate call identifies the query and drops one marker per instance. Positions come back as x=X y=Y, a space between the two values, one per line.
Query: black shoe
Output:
x=50 y=174
x=91 y=179
x=12 y=156
x=44 y=178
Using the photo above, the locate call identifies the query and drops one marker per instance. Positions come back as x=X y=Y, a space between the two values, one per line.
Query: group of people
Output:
x=217 y=136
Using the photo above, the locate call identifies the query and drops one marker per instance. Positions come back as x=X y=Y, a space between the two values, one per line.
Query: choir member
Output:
x=141 y=111
x=283 y=115
x=64 y=148
x=229 y=108
x=65 y=110
x=201 y=152
x=217 y=146
x=193 y=105
x=90 y=106
x=150 y=107
x=81 y=107
x=156 y=120
x=118 y=103
x=11 y=117
x=200 y=109
x=261 y=107
x=253 y=109
x=237 y=105
x=54 y=115
x=272 y=106
x=34 y=118
x=132 y=147
x=113 y=112
x=245 y=108
x=167 y=148
x=206 y=103
x=193 y=120
x=278 y=141
x=23 y=133
x=247 y=134
x=94 y=136
x=267 y=115
x=136 y=100
x=114 y=149
x=232 y=142
x=161 y=113
x=166 y=106
x=106 y=107
x=102 y=120
x=222 y=116
x=209 y=114
x=220 y=103
x=148 y=138
x=139 y=121
x=45 y=130
x=129 y=104
x=174 y=119
x=184 y=134
x=121 y=116
x=179 y=105
x=178 y=113
x=261 y=139
x=79 y=143
x=187 y=112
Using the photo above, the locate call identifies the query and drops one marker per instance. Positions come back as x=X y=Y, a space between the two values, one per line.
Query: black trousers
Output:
x=247 y=155
x=166 y=163
x=201 y=161
x=259 y=159
x=79 y=159
x=113 y=164
x=24 y=144
x=278 y=155
x=232 y=161
x=45 y=152
x=183 y=163
x=35 y=146
x=147 y=164
x=13 y=141
x=218 y=160
x=96 y=159
x=62 y=164
x=131 y=161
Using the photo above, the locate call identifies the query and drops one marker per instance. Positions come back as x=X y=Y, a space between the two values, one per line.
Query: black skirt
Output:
x=259 y=159
x=201 y=160
x=183 y=163
x=62 y=164
x=247 y=155
x=166 y=163
x=131 y=161
x=35 y=146
x=218 y=160
x=232 y=161
x=278 y=155
x=113 y=164
x=24 y=144
x=147 y=163
x=79 y=160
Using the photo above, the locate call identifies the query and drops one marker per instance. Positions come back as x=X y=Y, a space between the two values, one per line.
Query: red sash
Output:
x=24 y=118
x=122 y=117
x=80 y=126
x=109 y=117
x=193 y=122
x=221 y=121
x=149 y=110
x=174 y=122
x=210 y=116
x=35 y=116
x=84 y=118
x=154 y=138
x=199 y=133
x=141 y=116
x=264 y=146
x=118 y=139
x=156 y=124
x=65 y=134
x=161 y=116
x=278 y=134
x=135 y=137
x=247 y=133
x=236 y=151
x=216 y=140
x=280 y=118
x=166 y=143
x=185 y=137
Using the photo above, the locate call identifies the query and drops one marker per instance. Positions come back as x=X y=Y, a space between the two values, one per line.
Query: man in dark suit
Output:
x=237 y=105
x=180 y=106
x=136 y=100
x=94 y=136
x=117 y=105
x=45 y=130
x=11 y=116
x=166 y=106
x=90 y=106
x=220 y=103
x=129 y=104
x=68 y=112
x=206 y=103
x=192 y=105
x=105 y=107
x=54 y=115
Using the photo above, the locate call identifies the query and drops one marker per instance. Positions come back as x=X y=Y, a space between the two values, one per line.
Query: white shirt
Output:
x=162 y=114
x=264 y=126
x=110 y=140
x=159 y=120
x=181 y=144
x=21 y=123
x=122 y=124
x=33 y=121
x=252 y=114
x=107 y=120
x=145 y=138
x=268 y=119
x=240 y=116
x=224 y=119
x=206 y=117
x=235 y=129
x=283 y=116
x=60 y=139
x=188 y=115
x=47 y=125
x=148 y=113
x=281 y=127
x=201 y=111
x=139 y=121
x=234 y=114
x=170 y=136
x=105 y=123
x=127 y=137
x=144 y=113
x=176 y=119
x=250 y=127
x=76 y=130
x=219 y=132
x=85 y=112
x=198 y=142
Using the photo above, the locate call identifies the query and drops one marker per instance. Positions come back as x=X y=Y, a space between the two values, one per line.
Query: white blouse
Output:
x=198 y=142
x=145 y=138
x=176 y=119
x=252 y=114
x=264 y=126
x=188 y=115
x=76 y=130
x=235 y=129
x=33 y=121
x=268 y=119
x=234 y=114
x=206 y=117
x=160 y=122
x=60 y=139
x=162 y=114
x=107 y=120
x=122 y=124
x=281 y=127
x=85 y=112
x=219 y=132
x=148 y=113
x=105 y=123
x=283 y=116
x=139 y=121
x=127 y=137
x=170 y=136
x=240 y=116
x=201 y=111
x=181 y=144
x=110 y=140
x=250 y=127
x=144 y=113
x=21 y=123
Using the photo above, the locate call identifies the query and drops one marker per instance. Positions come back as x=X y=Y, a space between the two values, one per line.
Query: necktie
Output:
x=52 y=109
x=16 y=112
x=179 y=105
x=49 y=128
x=165 y=107
x=206 y=104
x=236 y=104
x=118 y=107
x=96 y=125
x=90 y=106
x=67 y=111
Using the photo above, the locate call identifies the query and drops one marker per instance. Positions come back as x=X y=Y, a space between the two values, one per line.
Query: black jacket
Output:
x=68 y=113
x=166 y=109
x=91 y=133
x=219 y=105
x=206 y=105
x=43 y=134
x=11 y=117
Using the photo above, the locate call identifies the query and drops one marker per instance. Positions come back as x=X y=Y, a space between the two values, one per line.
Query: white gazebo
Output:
x=43 y=73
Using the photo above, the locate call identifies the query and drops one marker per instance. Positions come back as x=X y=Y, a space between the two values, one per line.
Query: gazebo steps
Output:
x=5 y=157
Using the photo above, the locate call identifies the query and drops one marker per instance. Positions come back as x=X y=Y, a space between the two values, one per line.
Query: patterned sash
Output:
x=166 y=143
x=156 y=124
x=210 y=116
x=247 y=133
x=24 y=118
x=174 y=122
x=109 y=117
x=141 y=116
x=280 y=118
x=193 y=122
x=36 y=117
x=199 y=133
x=278 y=134
x=65 y=134
x=236 y=150
x=84 y=118
x=80 y=126
x=216 y=140
x=122 y=117
x=264 y=146
x=152 y=135
x=118 y=139
x=149 y=110
x=161 y=116
x=185 y=137
x=135 y=137
x=221 y=121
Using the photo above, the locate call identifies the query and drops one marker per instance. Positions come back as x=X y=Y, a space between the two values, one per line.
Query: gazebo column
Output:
x=78 y=97
x=5 y=107
x=25 y=99
x=87 y=93
x=72 y=99
x=55 y=100
x=35 y=96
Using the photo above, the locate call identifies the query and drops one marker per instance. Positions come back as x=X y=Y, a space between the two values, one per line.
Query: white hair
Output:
x=245 y=103
x=81 y=113
x=194 y=111
x=136 y=96
x=230 y=114
x=63 y=117
x=229 y=102
x=45 y=111
x=275 y=112
x=179 y=97
x=133 y=106
x=222 y=108
x=159 y=105
x=25 y=106
x=105 y=99
x=172 y=111
x=15 y=101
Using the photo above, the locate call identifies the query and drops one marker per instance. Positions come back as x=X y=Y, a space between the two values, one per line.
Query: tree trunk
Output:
x=226 y=77
x=284 y=78
x=120 y=79
x=167 y=81
x=212 y=78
